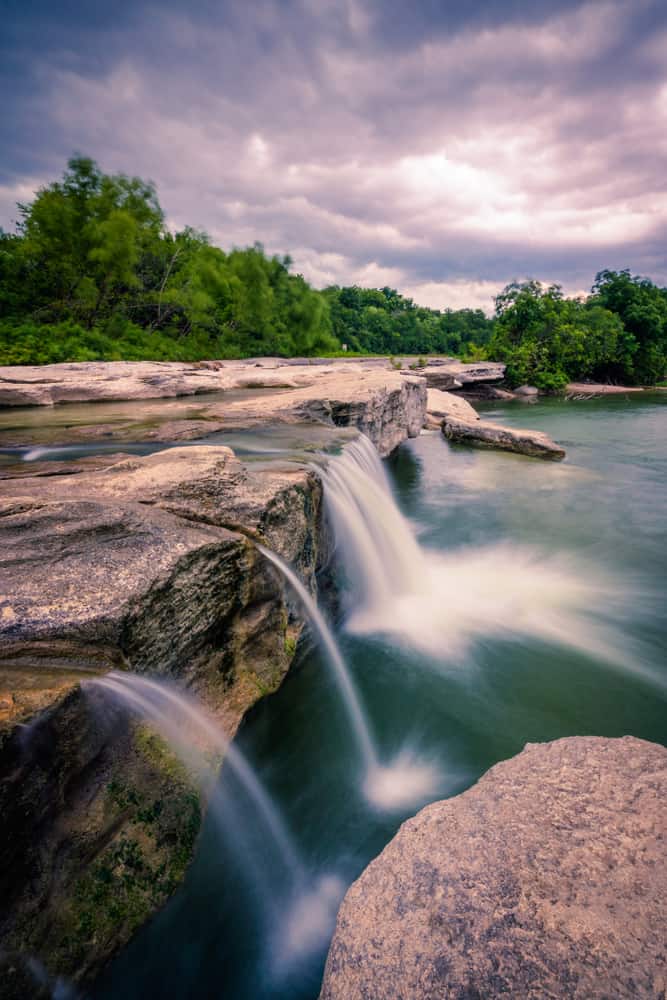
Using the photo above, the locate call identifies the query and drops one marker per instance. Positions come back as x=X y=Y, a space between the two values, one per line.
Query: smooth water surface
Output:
x=543 y=617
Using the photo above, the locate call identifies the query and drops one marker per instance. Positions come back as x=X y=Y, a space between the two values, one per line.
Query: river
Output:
x=543 y=617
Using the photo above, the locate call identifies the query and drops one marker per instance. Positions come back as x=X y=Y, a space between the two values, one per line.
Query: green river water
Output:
x=493 y=663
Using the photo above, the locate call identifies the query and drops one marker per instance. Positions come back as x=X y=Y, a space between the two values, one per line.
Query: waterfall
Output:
x=345 y=683
x=443 y=603
x=379 y=551
x=392 y=786
x=179 y=718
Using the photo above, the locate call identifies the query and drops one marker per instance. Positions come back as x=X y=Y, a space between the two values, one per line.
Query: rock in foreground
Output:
x=546 y=879
x=483 y=434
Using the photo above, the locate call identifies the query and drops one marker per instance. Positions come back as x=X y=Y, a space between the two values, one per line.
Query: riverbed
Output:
x=545 y=618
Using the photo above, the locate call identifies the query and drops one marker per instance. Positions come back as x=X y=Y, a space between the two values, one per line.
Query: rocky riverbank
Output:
x=146 y=563
x=546 y=879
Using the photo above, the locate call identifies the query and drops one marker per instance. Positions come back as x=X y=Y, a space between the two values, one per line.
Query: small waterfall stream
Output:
x=405 y=780
x=442 y=603
x=176 y=715
x=379 y=551
x=358 y=720
x=308 y=906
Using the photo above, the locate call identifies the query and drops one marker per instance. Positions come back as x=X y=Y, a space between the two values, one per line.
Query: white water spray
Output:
x=406 y=780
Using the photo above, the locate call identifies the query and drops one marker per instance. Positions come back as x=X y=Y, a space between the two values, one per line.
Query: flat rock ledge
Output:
x=460 y=422
x=547 y=879
x=483 y=434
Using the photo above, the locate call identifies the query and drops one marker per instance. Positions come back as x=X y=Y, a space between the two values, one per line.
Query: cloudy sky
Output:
x=444 y=147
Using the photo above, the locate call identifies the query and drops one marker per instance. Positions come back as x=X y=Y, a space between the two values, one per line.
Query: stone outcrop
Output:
x=586 y=390
x=440 y=405
x=92 y=381
x=131 y=565
x=546 y=879
x=376 y=399
x=452 y=374
x=144 y=563
x=483 y=434
x=384 y=405
x=460 y=422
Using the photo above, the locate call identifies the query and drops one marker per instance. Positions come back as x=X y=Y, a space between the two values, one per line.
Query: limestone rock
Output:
x=383 y=403
x=454 y=374
x=146 y=563
x=44 y=385
x=483 y=434
x=386 y=406
x=586 y=390
x=484 y=391
x=441 y=405
x=526 y=390
x=546 y=879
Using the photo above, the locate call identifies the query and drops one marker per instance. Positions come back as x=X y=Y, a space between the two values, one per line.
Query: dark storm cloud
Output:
x=442 y=147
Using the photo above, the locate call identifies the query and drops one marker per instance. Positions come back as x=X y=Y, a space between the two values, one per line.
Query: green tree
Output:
x=642 y=308
x=547 y=340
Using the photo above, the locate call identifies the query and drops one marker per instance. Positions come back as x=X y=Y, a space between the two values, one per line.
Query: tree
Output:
x=642 y=308
x=547 y=340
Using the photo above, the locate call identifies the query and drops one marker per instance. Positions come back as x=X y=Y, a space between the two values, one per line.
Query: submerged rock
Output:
x=546 y=879
x=483 y=434
x=527 y=390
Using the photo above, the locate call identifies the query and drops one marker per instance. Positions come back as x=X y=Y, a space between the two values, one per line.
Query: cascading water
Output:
x=379 y=551
x=176 y=715
x=358 y=721
x=308 y=917
x=405 y=780
x=440 y=603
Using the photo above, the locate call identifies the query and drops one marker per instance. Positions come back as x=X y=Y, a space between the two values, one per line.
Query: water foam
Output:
x=306 y=926
x=406 y=782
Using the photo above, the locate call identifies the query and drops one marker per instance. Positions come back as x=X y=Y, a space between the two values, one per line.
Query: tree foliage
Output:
x=382 y=321
x=619 y=333
x=92 y=272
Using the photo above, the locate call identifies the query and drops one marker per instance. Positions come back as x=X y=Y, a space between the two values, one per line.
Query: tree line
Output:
x=617 y=334
x=93 y=273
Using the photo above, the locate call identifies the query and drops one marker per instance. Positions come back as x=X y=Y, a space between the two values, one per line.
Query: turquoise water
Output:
x=493 y=662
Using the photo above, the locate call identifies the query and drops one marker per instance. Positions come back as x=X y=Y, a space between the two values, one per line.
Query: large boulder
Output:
x=546 y=879
x=484 y=434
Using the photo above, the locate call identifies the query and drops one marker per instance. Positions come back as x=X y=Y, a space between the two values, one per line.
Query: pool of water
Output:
x=546 y=619
x=287 y=442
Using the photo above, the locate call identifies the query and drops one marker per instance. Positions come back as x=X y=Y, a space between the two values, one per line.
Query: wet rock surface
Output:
x=384 y=403
x=546 y=879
